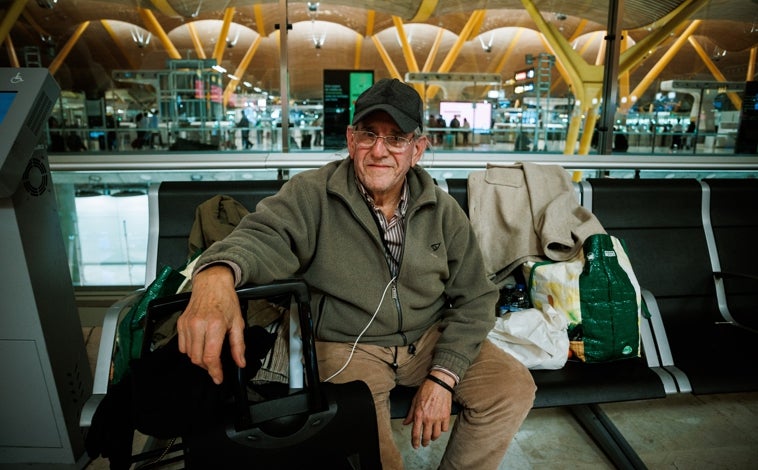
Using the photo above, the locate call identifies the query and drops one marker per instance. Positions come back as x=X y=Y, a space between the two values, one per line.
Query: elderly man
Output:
x=399 y=291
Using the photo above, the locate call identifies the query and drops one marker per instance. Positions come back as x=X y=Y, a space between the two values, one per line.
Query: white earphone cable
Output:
x=355 y=344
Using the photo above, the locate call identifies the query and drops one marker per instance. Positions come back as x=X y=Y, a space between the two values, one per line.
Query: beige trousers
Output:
x=496 y=395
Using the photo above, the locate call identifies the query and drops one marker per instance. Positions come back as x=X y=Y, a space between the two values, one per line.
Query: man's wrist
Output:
x=447 y=372
x=441 y=382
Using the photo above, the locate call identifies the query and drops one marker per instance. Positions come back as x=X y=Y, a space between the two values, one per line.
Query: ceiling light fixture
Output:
x=487 y=47
x=141 y=37
x=49 y=4
x=233 y=42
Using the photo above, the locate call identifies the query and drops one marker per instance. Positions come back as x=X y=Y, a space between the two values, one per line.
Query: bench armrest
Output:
x=105 y=354
x=661 y=344
x=733 y=275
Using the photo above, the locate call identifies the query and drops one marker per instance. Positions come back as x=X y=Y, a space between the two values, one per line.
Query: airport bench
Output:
x=690 y=245
x=579 y=387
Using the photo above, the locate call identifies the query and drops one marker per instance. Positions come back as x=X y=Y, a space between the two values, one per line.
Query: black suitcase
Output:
x=329 y=424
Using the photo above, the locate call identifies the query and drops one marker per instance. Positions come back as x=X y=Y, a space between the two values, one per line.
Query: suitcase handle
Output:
x=160 y=307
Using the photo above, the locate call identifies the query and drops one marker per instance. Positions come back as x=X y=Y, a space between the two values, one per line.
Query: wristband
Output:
x=441 y=383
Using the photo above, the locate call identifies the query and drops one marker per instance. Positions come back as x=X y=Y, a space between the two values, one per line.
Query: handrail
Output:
x=303 y=160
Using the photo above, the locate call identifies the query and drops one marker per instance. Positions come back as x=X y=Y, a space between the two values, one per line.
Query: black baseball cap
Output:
x=399 y=100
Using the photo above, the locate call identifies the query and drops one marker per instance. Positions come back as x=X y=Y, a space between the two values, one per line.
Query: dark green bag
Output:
x=609 y=298
x=130 y=330
x=598 y=293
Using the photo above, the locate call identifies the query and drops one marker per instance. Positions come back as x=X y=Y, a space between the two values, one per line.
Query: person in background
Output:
x=466 y=132
x=690 y=142
x=620 y=141
x=140 y=124
x=435 y=137
x=111 y=136
x=455 y=124
x=244 y=126
x=154 y=137
x=442 y=125
x=399 y=291
x=318 y=133
x=676 y=136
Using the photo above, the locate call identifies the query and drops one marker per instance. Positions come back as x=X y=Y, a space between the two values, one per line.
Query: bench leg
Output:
x=607 y=436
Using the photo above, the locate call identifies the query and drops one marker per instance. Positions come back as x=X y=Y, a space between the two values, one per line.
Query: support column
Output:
x=610 y=77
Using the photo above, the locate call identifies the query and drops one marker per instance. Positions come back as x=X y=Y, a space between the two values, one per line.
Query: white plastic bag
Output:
x=537 y=338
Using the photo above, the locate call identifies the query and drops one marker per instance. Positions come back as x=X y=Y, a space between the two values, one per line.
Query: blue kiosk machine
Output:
x=44 y=370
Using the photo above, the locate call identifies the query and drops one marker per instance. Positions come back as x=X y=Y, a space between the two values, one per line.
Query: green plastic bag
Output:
x=131 y=328
x=609 y=302
x=598 y=293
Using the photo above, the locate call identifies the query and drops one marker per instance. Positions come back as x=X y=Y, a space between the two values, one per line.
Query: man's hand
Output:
x=212 y=312
x=430 y=411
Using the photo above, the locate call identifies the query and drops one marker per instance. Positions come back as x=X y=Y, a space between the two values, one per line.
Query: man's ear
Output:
x=419 y=146
x=350 y=141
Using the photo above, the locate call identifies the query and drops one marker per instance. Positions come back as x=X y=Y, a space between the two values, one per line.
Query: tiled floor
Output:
x=712 y=432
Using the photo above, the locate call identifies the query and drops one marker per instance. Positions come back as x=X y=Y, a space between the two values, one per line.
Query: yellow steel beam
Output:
x=661 y=31
x=386 y=58
x=164 y=7
x=582 y=50
x=410 y=59
x=585 y=79
x=358 y=49
x=195 y=38
x=66 y=49
x=433 y=51
x=12 y=57
x=218 y=51
x=498 y=68
x=424 y=11
x=476 y=26
x=733 y=97
x=508 y=51
x=452 y=55
x=260 y=21
x=154 y=27
x=11 y=15
x=241 y=69
x=587 y=44
x=600 y=53
x=119 y=44
x=751 y=64
x=370 y=19
x=658 y=67
x=585 y=142
x=578 y=31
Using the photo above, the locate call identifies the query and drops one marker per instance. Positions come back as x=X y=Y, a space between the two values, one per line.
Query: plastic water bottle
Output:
x=519 y=299
x=513 y=298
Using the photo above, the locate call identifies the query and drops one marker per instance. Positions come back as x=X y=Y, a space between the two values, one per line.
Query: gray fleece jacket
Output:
x=319 y=227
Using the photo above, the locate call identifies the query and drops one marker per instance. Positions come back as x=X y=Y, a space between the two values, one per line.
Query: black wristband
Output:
x=440 y=382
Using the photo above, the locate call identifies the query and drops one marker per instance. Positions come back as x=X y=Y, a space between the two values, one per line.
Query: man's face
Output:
x=381 y=168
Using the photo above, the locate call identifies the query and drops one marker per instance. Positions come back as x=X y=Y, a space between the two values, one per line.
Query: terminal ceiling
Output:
x=482 y=36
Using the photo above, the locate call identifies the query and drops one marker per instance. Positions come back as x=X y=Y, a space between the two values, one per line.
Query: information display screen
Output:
x=341 y=89
x=6 y=98
x=478 y=114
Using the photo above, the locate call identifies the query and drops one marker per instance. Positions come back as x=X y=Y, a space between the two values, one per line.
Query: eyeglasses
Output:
x=366 y=140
